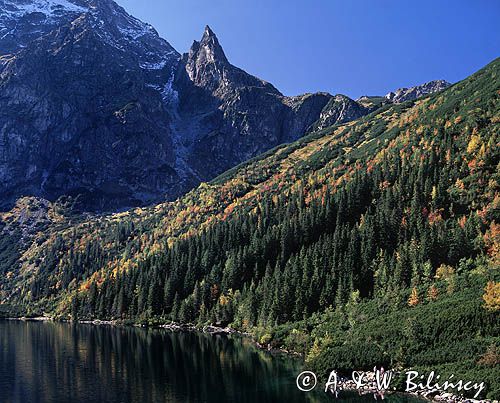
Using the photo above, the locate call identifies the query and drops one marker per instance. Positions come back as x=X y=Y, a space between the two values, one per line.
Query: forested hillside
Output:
x=398 y=208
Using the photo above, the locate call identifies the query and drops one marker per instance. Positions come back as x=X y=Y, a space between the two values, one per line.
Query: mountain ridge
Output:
x=128 y=87
x=331 y=156
x=406 y=94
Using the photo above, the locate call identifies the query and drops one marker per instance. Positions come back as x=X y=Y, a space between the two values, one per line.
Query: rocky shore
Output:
x=35 y=319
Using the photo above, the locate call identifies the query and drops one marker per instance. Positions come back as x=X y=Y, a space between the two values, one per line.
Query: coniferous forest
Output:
x=375 y=242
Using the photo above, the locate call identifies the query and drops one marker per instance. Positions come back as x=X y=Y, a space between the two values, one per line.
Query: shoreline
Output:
x=29 y=319
x=349 y=385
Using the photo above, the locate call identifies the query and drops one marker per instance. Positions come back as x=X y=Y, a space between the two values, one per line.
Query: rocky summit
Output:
x=408 y=94
x=95 y=104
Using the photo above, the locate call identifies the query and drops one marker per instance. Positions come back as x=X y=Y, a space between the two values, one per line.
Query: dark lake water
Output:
x=63 y=363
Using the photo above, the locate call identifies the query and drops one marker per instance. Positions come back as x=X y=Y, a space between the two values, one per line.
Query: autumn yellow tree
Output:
x=447 y=273
x=414 y=300
x=491 y=296
x=474 y=143
x=444 y=272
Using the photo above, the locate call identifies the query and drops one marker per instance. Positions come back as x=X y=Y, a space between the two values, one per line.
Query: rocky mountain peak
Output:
x=206 y=61
x=211 y=49
x=24 y=21
x=208 y=34
x=407 y=94
x=339 y=109
x=208 y=68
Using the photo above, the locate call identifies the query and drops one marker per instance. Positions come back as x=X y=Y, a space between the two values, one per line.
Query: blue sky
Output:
x=353 y=47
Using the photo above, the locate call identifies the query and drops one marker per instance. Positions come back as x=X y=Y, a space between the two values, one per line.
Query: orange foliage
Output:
x=472 y=164
x=85 y=286
x=214 y=292
x=435 y=217
x=384 y=185
x=491 y=240
x=462 y=221
x=404 y=222
x=482 y=214
x=414 y=300
x=460 y=184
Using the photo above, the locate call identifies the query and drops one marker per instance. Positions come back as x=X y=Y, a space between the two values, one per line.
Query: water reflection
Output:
x=54 y=362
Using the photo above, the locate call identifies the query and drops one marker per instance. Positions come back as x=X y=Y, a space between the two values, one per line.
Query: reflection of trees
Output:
x=89 y=363
x=53 y=362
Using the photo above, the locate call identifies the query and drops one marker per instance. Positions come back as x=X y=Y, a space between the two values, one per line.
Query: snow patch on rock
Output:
x=153 y=65
x=49 y=8
x=169 y=95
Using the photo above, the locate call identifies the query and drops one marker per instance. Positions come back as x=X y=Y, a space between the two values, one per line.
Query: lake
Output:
x=64 y=363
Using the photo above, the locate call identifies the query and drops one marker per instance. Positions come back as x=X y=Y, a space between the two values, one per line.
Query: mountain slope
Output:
x=79 y=115
x=423 y=176
x=227 y=116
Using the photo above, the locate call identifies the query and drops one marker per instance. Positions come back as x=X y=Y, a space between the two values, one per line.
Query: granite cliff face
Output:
x=79 y=114
x=339 y=109
x=227 y=116
x=95 y=104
